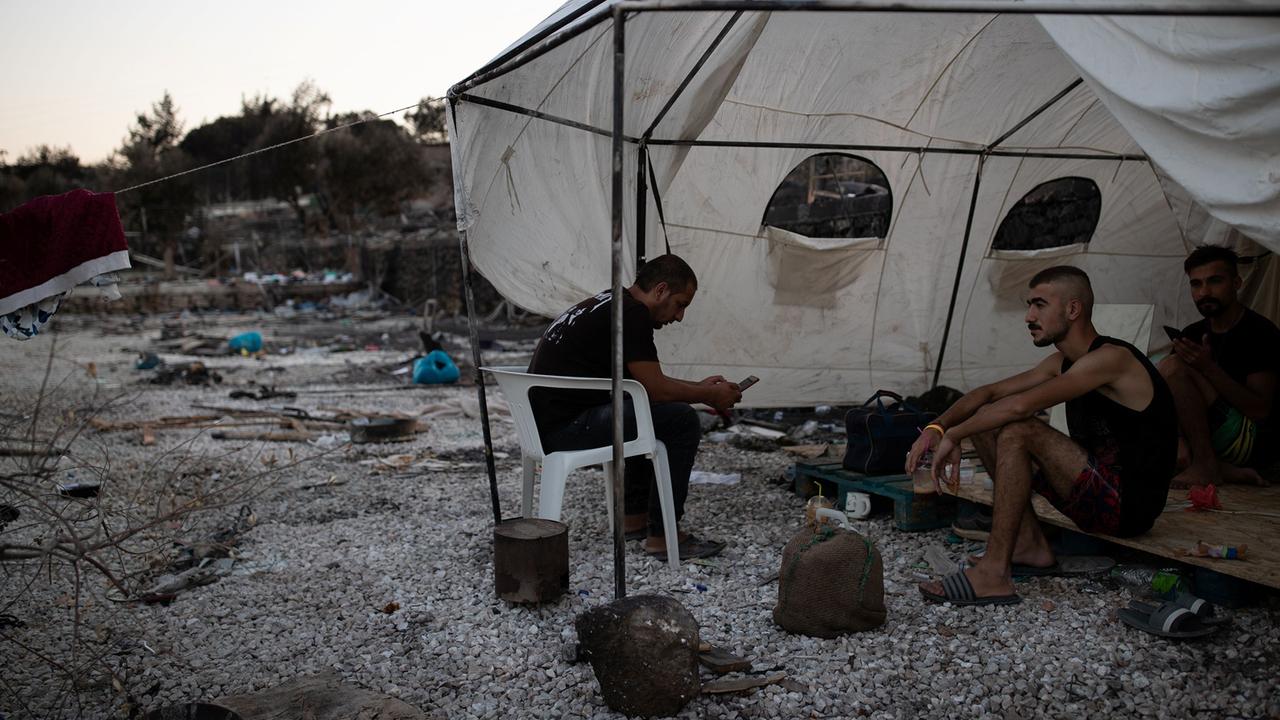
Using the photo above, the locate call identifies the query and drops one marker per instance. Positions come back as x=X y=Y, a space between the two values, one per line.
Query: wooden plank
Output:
x=721 y=661
x=1178 y=530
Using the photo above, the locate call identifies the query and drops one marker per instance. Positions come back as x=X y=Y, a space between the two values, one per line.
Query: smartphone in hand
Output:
x=1172 y=332
x=751 y=380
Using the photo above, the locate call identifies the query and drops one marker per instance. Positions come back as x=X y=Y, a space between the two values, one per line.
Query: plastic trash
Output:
x=1152 y=580
x=147 y=361
x=701 y=477
x=435 y=369
x=250 y=342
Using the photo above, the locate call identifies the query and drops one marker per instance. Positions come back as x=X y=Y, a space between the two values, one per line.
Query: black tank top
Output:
x=1141 y=446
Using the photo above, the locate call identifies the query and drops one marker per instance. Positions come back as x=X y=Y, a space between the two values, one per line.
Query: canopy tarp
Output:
x=1175 y=119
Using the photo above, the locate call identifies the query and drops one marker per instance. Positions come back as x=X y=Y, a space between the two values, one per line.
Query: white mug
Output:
x=857 y=505
x=861 y=504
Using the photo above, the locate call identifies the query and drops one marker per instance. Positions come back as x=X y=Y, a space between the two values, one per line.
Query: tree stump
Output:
x=644 y=651
x=530 y=560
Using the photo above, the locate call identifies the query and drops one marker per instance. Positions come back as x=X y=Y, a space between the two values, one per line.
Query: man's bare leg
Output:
x=1192 y=396
x=1018 y=445
x=1031 y=546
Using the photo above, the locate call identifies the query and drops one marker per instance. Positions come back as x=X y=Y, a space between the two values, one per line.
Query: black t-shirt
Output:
x=1251 y=346
x=579 y=344
x=1141 y=445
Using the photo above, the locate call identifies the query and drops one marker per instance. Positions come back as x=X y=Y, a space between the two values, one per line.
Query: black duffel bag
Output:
x=881 y=436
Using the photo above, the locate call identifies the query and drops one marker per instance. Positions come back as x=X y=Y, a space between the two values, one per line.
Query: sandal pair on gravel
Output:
x=1184 y=617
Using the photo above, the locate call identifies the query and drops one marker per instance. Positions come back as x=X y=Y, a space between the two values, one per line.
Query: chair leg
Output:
x=662 y=471
x=526 y=500
x=551 y=488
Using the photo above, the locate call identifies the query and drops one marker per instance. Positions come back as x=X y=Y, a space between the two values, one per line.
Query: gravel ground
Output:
x=337 y=539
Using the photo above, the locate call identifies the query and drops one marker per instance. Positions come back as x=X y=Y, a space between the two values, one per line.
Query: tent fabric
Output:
x=1203 y=94
x=821 y=320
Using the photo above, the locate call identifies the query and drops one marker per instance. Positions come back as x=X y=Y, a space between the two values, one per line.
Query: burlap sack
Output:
x=831 y=583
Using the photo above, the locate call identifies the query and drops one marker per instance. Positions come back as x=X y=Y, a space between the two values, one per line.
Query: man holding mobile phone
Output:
x=578 y=344
x=1223 y=374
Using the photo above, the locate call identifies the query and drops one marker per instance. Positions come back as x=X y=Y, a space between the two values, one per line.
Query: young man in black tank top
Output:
x=1223 y=374
x=1110 y=476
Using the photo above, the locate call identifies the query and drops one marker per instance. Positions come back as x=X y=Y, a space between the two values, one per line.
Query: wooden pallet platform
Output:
x=1256 y=524
x=910 y=511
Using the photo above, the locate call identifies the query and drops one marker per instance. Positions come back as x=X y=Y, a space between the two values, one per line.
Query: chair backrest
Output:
x=516 y=383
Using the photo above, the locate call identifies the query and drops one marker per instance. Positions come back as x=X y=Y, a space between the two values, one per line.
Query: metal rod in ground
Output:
x=619 y=461
x=955 y=288
x=469 y=294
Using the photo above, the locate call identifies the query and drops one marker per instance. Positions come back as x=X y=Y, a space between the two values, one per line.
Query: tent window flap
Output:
x=1054 y=214
x=832 y=195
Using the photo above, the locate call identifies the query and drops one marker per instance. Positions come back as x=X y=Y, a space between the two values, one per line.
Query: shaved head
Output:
x=1072 y=283
x=1060 y=297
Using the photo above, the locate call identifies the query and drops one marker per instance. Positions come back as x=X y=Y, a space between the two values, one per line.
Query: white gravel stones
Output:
x=314 y=576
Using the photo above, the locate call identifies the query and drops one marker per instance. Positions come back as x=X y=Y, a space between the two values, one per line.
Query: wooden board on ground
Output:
x=1256 y=524
x=721 y=661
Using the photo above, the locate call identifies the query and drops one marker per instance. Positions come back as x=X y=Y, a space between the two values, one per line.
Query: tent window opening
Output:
x=832 y=196
x=1054 y=214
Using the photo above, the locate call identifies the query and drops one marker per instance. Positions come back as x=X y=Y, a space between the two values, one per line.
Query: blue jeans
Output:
x=675 y=424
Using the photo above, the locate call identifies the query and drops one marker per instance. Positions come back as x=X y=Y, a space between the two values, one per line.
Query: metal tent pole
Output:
x=642 y=202
x=469 y=295
x=619 y=86
x=955 y=288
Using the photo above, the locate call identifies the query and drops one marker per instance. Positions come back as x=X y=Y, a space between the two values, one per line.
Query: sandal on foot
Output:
x=691 y=548
x=957 y=590
x=1167 y=620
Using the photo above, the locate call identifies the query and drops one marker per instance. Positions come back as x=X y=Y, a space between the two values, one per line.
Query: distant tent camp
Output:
x=864 y=195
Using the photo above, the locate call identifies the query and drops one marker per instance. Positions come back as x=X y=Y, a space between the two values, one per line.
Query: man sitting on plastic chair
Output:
x=578 y=344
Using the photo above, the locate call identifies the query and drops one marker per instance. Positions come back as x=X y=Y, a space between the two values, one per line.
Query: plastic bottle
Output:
x=1155 y=581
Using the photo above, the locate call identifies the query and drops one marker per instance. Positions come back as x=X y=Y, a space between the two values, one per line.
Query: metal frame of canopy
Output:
x=560 y=32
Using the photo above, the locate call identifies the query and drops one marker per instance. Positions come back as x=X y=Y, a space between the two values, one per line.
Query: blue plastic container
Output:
x=435 y=369
x=250 y=342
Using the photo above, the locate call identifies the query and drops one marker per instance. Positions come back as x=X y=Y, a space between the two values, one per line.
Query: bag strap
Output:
x=877 y=398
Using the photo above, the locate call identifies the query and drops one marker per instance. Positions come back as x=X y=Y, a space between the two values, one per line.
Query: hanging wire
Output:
x=273 y=147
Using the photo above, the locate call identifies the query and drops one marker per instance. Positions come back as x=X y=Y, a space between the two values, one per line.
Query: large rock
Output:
x=644 y=651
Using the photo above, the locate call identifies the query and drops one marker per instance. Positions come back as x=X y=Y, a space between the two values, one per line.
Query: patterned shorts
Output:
x=1094 y=502
x=1234 y=435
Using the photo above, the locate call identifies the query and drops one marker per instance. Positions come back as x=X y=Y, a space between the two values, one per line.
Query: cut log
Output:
x=530 y=560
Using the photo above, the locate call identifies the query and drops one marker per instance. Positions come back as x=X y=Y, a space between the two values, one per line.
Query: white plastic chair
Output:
x=516 y=383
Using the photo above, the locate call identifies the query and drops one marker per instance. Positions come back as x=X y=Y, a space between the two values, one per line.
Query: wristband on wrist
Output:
x=935 y=426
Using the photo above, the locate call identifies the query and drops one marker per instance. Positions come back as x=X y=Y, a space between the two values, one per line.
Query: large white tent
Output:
x=1176 y=119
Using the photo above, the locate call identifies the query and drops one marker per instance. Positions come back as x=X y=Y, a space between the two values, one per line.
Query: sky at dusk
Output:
x=76 y=72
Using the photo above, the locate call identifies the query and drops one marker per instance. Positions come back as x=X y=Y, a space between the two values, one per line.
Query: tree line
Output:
x=348 y=177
